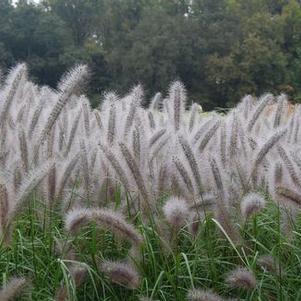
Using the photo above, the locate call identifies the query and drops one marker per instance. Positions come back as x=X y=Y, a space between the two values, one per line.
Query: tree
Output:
x=220 y=49
x=79 y=15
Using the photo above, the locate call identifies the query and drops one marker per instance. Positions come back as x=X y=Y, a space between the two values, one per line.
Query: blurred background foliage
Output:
x=220 y=49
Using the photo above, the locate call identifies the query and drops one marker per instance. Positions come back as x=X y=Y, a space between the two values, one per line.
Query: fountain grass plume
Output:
x=117 y=166
x=183 y=173
x=266 y=147
x=11 y=86
x=281 y=100
x=121 y=273
x=176 y=212
x=290 y=195
x=221 y=212
x=70 y=83
x=203 y=295
x=263 y=102
x=191 y=159
x=241 y=278
x=13 y=288
x=177 y=97
x=268 y=263
x=208 y=135
x=156 y=137
x=111 y=128
x=105 y=218
x=29 y=183
x=251 y=203
x=138 y=177
x=289 y=164
x=195 y=110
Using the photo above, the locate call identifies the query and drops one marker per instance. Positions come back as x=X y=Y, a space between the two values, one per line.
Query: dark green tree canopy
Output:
x=220 y=49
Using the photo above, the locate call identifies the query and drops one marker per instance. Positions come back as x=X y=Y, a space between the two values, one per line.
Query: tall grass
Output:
x=48 y=256
x=162 y=201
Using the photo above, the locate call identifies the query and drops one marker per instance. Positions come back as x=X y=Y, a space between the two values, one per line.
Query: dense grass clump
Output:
x=165 y=202
x=165 y=271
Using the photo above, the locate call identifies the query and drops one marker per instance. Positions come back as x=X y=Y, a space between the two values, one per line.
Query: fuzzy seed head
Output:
x=267 y=262
x=176 y=212
x=202 y=295
x=12 y=289
x=241 y=278
x=106 y=219
x=251 y=203
x=121 y=273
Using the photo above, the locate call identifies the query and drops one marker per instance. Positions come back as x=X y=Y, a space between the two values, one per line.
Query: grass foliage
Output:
x=125 y=202
x=200 y=262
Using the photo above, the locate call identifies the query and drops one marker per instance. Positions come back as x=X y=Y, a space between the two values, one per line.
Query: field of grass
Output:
x=127 y=202
x=167 y=272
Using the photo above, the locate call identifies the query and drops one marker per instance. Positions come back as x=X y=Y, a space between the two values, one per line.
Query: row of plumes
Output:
x=124 y=274
x=75 y=158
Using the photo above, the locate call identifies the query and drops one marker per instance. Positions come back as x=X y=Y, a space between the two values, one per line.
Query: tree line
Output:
x=220 y=49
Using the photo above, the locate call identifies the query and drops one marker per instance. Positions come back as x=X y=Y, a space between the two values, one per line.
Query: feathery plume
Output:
x=233 y=136
x=70 y=165
x=222 y=213
x=137 y=144
x=156 y=102
x=198 y=134
x=106 y=219
x=291 y=195
x=281 y=102
x=85 y=167
x=194 y=111
x=98 y=119
x=177 y=96
x=277 y=174
x=159 y=146
x=203 y=295
x=266 y=147
x=132 y=164
x=151 y=120
x=121 y=273
x=117 y=167
x=184 y=174
x=243 y=178
x=264 y=101
x=68 y=86
x=241 y=278
x=35 y=118
x=12 y=289
x=208 y=135
x=176 y=212
x=23 y=150
x=11 y=87
x=111 y=124
x=222 y=143
x=86 y=115
x=251 y=203
x=136 y=98
x=289 y=164
x=267 y=262
x=188 y=152
x=216 y=175
x=156 y=137
x=29 y=183
x=72 y=132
